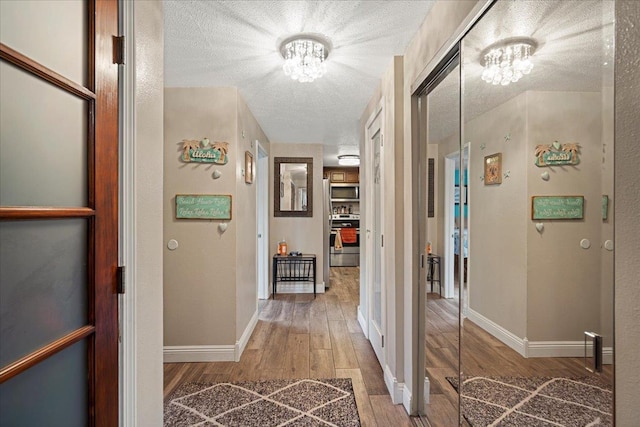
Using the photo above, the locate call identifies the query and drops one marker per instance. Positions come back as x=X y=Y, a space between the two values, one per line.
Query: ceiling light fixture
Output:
x=508 y=60
x=349 y=160
x=305 y=57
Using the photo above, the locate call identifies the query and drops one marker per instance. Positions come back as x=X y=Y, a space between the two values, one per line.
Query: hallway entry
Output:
x=297 y=337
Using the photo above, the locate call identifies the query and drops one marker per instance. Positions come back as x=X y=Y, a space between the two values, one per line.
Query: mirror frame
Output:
x=277 y=161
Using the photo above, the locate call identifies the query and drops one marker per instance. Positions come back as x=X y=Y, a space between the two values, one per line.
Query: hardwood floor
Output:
x=299 y=337
x=482 y=355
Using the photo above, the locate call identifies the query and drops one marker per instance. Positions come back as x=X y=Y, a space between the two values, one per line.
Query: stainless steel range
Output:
x=349 y=226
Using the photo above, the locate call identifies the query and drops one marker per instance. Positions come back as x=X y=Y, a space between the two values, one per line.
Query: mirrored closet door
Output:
x=532 y=230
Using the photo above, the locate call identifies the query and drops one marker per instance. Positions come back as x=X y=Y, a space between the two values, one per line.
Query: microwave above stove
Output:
x=345 y=192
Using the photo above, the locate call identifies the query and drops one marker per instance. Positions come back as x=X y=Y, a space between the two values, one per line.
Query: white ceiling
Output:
x=236 y=43
x=575 y=53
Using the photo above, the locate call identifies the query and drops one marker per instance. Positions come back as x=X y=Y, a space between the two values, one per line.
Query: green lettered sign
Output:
x=557 y=207
x=203 y=206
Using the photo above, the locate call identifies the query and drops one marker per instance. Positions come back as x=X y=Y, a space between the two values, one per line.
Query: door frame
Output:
x=262 y=220
x=375 y=337
x=449 y=222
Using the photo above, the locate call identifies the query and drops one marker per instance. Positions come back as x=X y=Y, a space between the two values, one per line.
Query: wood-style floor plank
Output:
x=298 y=336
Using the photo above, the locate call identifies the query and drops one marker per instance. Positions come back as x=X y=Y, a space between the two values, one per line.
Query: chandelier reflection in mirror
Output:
x=508 y=60
x=305 y=57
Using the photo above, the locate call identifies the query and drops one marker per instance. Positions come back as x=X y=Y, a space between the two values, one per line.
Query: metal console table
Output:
x=294 y=268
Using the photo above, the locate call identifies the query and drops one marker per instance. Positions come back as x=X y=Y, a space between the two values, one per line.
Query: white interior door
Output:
x=449 y=222
x=377 y=297
x=262 y=183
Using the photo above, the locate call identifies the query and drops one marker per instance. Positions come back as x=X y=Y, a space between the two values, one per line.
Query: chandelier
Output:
x=507 y=61
x=305 y=57
x=349 y=160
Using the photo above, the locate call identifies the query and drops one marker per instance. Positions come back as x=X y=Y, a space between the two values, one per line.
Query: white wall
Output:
x=147 y=286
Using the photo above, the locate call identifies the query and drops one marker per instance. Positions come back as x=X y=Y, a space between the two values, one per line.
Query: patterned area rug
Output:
x=291 y=403
x=537 y=401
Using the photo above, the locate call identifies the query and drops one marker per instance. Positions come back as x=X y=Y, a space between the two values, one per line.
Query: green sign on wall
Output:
x=557 y=207
x=203 y=206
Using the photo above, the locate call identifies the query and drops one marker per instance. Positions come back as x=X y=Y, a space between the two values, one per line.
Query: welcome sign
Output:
x=557 y=154
x=203 y=151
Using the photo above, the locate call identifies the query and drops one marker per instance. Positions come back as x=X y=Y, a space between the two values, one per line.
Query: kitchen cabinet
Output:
x=346 y=175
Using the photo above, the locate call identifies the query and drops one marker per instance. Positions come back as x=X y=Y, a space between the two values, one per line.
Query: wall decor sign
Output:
x=248 y=167
x=204 y=151
x=493 y=169
x=203 y=206
x=557 y=207
x=557 y=154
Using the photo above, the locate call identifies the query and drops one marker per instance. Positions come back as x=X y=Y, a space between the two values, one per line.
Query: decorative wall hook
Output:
x=545 y=176
x=222 y=227
x=216 y=174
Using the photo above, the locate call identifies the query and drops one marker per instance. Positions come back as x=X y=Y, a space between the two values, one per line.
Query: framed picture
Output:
x=493 y=169
x=248 y=167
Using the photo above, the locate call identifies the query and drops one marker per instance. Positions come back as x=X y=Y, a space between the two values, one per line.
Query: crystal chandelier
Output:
x=507 y=61
x=349 y=160
x=305 y=57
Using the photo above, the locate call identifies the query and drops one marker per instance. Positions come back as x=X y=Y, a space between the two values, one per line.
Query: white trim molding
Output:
x=513 y=341
x=363 y=322
x=241 y=344
x=298 y=288
x=199 y=353
x=406 y=399
x=564 y=349
x=396 y=389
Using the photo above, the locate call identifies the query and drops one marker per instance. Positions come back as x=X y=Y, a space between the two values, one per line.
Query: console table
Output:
x=294 y=268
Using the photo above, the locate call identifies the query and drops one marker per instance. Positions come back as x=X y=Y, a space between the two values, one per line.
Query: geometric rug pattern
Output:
x=268 y=403
x=536 y=401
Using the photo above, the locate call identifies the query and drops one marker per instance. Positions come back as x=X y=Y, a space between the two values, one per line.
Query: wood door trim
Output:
x=45 y=352
x=43 y=212
x=39 y=70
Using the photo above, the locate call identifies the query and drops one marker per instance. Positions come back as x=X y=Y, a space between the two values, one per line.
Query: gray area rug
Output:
x=291 y=403
x=536 y=401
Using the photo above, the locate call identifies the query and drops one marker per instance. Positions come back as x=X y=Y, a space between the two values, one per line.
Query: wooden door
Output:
x=58 y=213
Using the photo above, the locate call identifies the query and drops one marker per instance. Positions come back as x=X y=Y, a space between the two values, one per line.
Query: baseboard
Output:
x=406 y=399
x=395 y=388
x=199 y=353
x=241 y=344
x=363 y=322
x=299 y=288
x=564 y=349
x=516 y=343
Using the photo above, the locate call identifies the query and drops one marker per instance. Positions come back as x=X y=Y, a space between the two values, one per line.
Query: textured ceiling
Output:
x=575 y=52
x=236 y=43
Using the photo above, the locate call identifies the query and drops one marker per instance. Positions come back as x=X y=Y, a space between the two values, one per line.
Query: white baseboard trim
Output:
x=241 y=344
x=199 y=353
x=564 y=349
x=395 y=388
x=406 y=399
x=427 y=390
x=363 y=322
x=516 y=343
x=298 y=288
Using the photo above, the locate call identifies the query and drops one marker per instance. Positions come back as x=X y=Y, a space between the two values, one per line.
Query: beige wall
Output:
x=562 y=303
x=146 y=401
x=209 y=299
x=200 y=276
x=627 y=204
x=302 y=234
x=498 y=217
x=245 y=214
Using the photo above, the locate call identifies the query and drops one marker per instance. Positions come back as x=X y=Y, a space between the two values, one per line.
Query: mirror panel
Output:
x=540 y=212
x=293 y=187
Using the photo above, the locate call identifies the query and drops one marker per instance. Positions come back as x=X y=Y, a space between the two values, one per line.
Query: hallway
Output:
x=299 y=337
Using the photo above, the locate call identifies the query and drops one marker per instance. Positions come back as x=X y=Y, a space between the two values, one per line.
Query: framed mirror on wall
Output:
x=293 y=187
x=535 y=296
